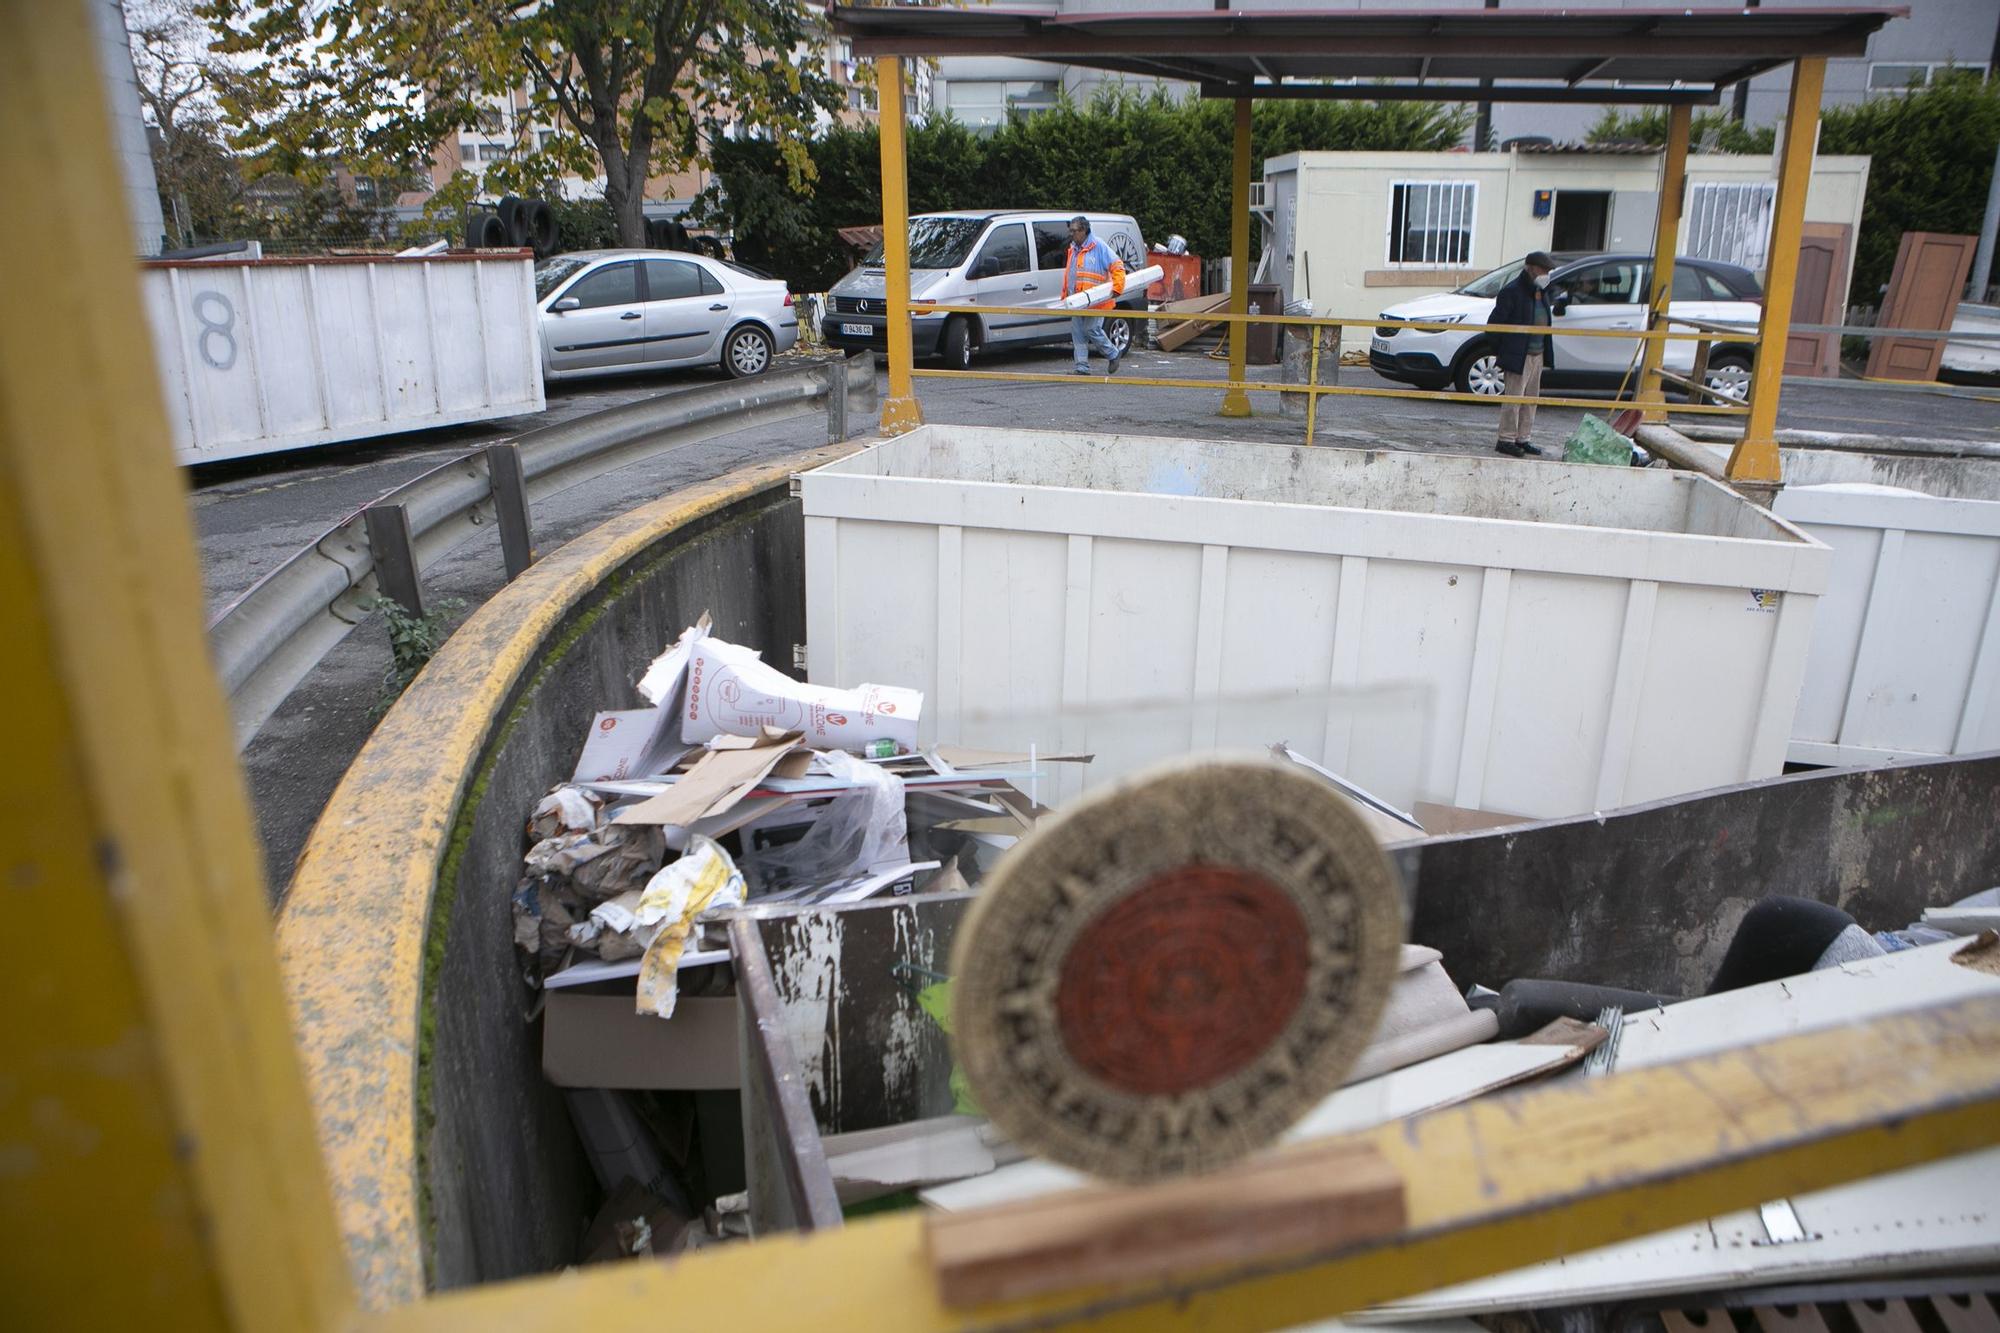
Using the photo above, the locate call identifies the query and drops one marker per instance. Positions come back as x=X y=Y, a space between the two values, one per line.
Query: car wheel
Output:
x=1477 y=370
x=956 y=345
x=746 y=352
x=1120 y=333
x=1728 y=375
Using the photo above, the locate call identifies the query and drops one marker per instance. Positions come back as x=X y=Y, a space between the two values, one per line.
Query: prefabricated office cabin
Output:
x=1357 y=232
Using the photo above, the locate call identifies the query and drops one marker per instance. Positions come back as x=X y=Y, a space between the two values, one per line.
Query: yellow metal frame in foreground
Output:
x=157 y=1160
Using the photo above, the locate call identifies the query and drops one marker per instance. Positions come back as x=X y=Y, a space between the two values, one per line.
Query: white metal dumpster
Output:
x=1905 y=656
x=1589 y=636
x=258 y=356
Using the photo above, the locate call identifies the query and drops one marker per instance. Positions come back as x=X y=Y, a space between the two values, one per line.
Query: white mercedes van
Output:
x=981 y=257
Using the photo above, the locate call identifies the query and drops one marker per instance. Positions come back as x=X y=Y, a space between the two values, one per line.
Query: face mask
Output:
x=1541 y=280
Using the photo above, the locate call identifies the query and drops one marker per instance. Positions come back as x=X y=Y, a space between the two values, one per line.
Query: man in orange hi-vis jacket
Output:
x=1091 y=262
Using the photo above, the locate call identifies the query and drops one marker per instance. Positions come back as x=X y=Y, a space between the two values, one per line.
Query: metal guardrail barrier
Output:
x=267 y=640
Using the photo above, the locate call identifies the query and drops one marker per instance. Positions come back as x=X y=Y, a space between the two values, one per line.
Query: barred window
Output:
x=1430 y=223
x=1730 y=221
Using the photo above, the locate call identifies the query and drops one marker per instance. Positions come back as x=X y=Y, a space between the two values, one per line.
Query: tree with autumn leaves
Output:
x=632 y=88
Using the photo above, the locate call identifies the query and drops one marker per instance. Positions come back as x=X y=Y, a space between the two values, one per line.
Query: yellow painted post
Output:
x=1236 y=402
x=1755 y=457
x=900 y=411
x=1666 y=240
x=158 y=1163
x=1312 y=382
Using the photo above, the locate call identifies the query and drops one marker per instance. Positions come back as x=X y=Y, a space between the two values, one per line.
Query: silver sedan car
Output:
x=609 y=311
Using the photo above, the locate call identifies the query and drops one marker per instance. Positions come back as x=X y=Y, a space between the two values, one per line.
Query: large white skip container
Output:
x=1589 y=636
x=1905 y=657
x=262 y=355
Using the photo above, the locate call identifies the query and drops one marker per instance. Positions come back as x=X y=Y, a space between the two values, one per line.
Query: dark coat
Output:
x=1517 y=304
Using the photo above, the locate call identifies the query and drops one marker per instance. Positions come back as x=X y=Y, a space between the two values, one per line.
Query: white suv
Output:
x=1586 y=292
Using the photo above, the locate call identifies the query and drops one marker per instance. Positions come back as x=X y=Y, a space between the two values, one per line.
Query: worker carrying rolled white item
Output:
x=1145 y=277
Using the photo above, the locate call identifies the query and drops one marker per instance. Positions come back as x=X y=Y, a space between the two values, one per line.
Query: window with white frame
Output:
x=1430 y=223
x=1730 y=221
x=1896 y=76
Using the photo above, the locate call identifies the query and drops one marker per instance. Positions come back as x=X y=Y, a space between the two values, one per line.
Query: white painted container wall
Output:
x=260 y=356
x=1905 y=655
x=1588 y=637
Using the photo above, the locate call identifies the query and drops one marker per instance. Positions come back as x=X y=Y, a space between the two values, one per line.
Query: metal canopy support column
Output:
x=151 y=1088
x=1666 y=240
x=900 y=411
x=1236 y=402
x=1755 y=457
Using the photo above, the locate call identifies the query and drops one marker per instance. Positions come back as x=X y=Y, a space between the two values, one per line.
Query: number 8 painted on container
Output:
x=223 y=328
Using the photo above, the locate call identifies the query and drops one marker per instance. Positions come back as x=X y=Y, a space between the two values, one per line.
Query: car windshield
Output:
x=936 y=242
x=552 y=273
x=1490 y=284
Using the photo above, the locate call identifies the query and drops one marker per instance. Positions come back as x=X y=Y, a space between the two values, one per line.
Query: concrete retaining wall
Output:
x=509 y=1193
x=452 y=1161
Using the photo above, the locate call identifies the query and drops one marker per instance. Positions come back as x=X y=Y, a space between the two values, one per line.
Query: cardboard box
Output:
x=597 y=1041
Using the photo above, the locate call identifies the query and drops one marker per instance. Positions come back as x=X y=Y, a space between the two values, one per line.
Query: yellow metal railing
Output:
x=1700 y=332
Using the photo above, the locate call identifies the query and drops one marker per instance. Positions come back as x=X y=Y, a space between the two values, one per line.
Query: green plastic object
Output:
x=1595 y=442
x=935 y=1000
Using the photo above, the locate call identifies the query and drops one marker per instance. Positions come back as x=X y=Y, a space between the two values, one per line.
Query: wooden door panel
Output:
x=1924 y=291
x=1820 y=297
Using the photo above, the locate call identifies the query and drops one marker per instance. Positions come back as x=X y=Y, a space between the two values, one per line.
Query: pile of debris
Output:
x=735 y=789
x=741 y=786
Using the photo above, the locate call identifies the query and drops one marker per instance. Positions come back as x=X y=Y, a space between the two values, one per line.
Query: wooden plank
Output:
x=1287 y=1204
x=1800 y=1319
x=1967 y=1312
x=1895 y=1316
x=777 y=1113
x=1172 y=338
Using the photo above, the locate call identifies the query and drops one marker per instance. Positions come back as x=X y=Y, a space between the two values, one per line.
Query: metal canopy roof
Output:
x=1655 y=56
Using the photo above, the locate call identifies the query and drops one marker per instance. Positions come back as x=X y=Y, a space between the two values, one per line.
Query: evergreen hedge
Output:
x=1164 y=160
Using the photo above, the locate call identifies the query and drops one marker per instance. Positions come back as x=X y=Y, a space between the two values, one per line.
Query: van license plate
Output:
x=858 y=330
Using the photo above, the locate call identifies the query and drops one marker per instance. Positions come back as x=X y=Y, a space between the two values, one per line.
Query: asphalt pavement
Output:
x=252 y=515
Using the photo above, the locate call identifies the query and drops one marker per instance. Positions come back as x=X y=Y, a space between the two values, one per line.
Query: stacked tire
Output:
x=668 y=234
x=520 y=224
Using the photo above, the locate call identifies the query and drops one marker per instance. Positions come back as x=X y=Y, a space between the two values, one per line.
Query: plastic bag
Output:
x=859 y=829
x=1595 y=442
x=935 y=1000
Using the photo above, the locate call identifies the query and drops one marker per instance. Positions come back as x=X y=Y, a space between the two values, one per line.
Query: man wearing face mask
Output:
x=1525 y=300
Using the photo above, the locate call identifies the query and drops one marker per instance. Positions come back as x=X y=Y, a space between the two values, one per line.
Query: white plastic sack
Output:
x=730 y=690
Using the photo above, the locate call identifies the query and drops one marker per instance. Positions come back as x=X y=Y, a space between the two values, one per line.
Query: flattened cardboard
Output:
x=718 y=780
x=1442 y=819
x=596 y=1041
